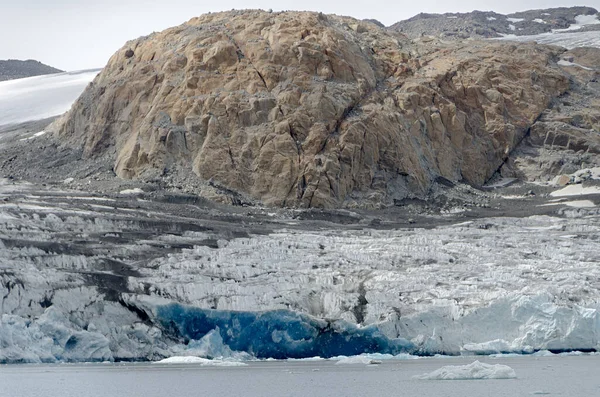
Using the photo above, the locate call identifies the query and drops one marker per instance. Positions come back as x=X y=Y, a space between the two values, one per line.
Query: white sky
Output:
x=80 y=34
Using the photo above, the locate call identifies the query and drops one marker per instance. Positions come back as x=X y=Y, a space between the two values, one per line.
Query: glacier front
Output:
x=121 y=278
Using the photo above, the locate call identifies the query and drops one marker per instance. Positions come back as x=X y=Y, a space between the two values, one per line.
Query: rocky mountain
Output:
x=14 y=69
x=488 y=24
x=304 y=109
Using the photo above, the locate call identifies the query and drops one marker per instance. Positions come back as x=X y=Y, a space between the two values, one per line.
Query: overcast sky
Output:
x=81 y=34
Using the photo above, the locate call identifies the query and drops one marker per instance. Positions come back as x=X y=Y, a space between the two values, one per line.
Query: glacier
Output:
x=41 y=97
x=128 y=278
x=568 y=38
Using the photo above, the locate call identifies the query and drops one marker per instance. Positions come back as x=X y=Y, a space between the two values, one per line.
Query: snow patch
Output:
x=575 y=190
x=515 y=20
x=137 y=190
x=538 y=20
x=580 y=22
x=491 y=18
x=37 y=134
x=512 y=27
x=473 y=371
x=574 y=204
x=564 y=62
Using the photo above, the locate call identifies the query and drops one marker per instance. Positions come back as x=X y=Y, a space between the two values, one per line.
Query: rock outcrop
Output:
x=304 y=109
x=14 y=69
x=566 y=137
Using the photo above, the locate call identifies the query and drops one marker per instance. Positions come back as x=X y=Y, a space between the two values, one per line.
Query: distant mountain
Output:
x=488 y=24
x=15 y=69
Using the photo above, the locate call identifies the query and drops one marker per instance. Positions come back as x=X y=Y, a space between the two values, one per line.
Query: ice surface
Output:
x=498 y=346
x=49 y=339
x=473 y=371
x=200 y=361
x=212 y=346
x=278 y=334
x=509 y=285
x=40 y=97
x=567 y=40
x=362 y=360
x=574 y=204
x=575 y=190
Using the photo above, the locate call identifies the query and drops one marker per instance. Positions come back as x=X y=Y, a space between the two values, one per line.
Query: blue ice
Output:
x=278 y=334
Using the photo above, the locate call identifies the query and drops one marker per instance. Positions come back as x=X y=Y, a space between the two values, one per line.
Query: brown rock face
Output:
x=566 y=137
x=303 y=109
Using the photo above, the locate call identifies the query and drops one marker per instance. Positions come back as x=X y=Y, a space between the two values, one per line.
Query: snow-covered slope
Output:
x=40 y=97
x=567 y=40
x=570 y=37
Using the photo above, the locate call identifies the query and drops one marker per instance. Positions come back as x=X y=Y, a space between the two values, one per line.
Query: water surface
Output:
x=555 y=376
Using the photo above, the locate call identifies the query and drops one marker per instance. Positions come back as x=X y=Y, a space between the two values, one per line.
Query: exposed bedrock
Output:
x=302 y=109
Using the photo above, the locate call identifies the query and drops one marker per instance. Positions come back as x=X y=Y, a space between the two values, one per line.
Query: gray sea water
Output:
x=553 y=376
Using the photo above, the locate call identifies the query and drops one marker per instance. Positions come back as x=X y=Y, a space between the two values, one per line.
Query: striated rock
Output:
x=303 y=109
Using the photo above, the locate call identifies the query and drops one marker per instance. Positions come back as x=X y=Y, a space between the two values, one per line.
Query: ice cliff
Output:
x=82 y=279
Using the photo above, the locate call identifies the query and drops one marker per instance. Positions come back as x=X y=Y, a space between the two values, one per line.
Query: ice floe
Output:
x=200 y=361
x=361 y=360
x=473 y=371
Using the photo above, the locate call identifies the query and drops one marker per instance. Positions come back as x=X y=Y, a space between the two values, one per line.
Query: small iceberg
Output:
x=354 y=360
x=200 y=361
x=473 y=371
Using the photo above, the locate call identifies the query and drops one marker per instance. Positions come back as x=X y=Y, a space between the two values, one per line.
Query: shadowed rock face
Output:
x=303 y=109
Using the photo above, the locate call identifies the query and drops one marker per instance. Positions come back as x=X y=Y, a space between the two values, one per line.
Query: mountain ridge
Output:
x=12 y=69
x=490 y=24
